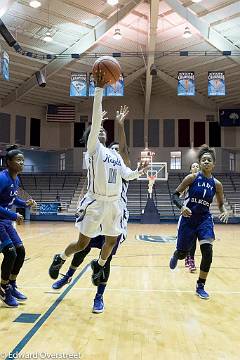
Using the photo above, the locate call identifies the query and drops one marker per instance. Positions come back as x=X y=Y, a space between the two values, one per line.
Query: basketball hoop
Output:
x=151 y=181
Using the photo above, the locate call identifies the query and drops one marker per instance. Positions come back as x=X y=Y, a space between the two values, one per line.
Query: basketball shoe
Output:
x=56 y=266
x=7 y=298
x=173 y=261
x=98 y=272
x=201 y=292
x=192 y=266
x=66 y=279
x=98 y=304
x=16 y=293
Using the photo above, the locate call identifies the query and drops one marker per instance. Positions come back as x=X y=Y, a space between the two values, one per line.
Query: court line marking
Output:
x=140 y=290
x=44 y=317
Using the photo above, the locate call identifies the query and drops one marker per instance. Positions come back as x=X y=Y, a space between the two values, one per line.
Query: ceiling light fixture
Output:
x=117 y=34
x=112 y=2
x=35 y=4
x=187 y=33
x=48 y=37
x=196 y=1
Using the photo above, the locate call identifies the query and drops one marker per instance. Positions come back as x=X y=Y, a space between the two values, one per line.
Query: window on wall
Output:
x=232 y=162
x=62 y=162
x=175 y=160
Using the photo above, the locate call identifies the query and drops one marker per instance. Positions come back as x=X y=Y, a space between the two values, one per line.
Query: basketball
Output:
x=109 y=67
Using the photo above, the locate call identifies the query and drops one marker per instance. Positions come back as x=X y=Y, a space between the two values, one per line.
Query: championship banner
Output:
x=116 y=89
x=5 y=65
x=91 y=87
x=229 y=117
x=186 y=83
x=216 y=83
x=78 y=85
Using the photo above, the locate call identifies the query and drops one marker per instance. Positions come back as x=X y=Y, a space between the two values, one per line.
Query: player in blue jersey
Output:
x=196 y=220
x=11 y=245
x=98 y=241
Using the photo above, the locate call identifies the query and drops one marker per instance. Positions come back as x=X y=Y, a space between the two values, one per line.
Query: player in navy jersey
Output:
x=97 y=242
x=196 y=220
x=11 y=245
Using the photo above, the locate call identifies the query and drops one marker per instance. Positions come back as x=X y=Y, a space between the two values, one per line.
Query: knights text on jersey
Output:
x=105 y=172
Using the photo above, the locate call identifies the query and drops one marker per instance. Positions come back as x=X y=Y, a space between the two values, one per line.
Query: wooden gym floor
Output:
x=151 y=312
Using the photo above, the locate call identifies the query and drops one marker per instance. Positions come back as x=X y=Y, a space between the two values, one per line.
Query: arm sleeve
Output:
x=128 y=174
x=20 y=203
x=176 y=200
x=96 y=121
x=8 y=214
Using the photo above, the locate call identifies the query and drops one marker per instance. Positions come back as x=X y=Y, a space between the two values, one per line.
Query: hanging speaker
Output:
x=40 y=79
x=7 y=35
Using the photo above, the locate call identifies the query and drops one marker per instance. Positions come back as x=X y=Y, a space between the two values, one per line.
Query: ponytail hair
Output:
x=12 y=151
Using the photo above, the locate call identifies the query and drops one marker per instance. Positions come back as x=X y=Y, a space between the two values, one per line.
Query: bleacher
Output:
x=51 y=188
x=69 y=187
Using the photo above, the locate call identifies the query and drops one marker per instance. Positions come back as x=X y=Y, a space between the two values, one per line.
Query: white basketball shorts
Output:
x=99 y=217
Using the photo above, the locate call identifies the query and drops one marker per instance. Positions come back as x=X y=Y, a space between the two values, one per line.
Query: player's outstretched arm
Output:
x=96 y=121
x=220 y=200
x=123 y=148
x=128 y=174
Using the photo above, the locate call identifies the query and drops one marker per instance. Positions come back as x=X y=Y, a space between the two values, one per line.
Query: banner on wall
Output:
x=186 y=83
x=229 y=117
x=216 y=83
x=110 y=90
x=78 y=84
x=5 y=65
x=116 y=89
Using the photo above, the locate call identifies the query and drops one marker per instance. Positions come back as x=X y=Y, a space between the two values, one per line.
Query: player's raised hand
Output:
x=100 y=80
x=121 y=114
x=224 y=216
x=31 y=203
x=185 y=211
x=104 y=115
x=143 y=165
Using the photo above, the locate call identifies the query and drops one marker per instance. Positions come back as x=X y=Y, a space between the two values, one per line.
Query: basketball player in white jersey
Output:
x=100 y=209
x=97 y=242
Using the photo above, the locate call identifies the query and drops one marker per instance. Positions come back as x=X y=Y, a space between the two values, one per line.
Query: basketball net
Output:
x=147 y=155
x=151 y=181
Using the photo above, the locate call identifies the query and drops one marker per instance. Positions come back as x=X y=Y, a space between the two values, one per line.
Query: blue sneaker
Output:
x=98 y=305
x=201 y=292
x=16 y=293
x=7 y=298
x=173 y=262
x=62 y=282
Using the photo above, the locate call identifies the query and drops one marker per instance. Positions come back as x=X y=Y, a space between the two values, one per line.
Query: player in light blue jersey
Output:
x=11 y=245
x=196 y=220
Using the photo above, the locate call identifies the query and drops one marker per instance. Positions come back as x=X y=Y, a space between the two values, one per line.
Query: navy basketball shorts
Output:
x=98 y=241
x=8 y=235
x=190 y=229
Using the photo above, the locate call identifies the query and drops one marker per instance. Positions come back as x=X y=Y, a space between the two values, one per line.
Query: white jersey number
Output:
x=112 y=176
